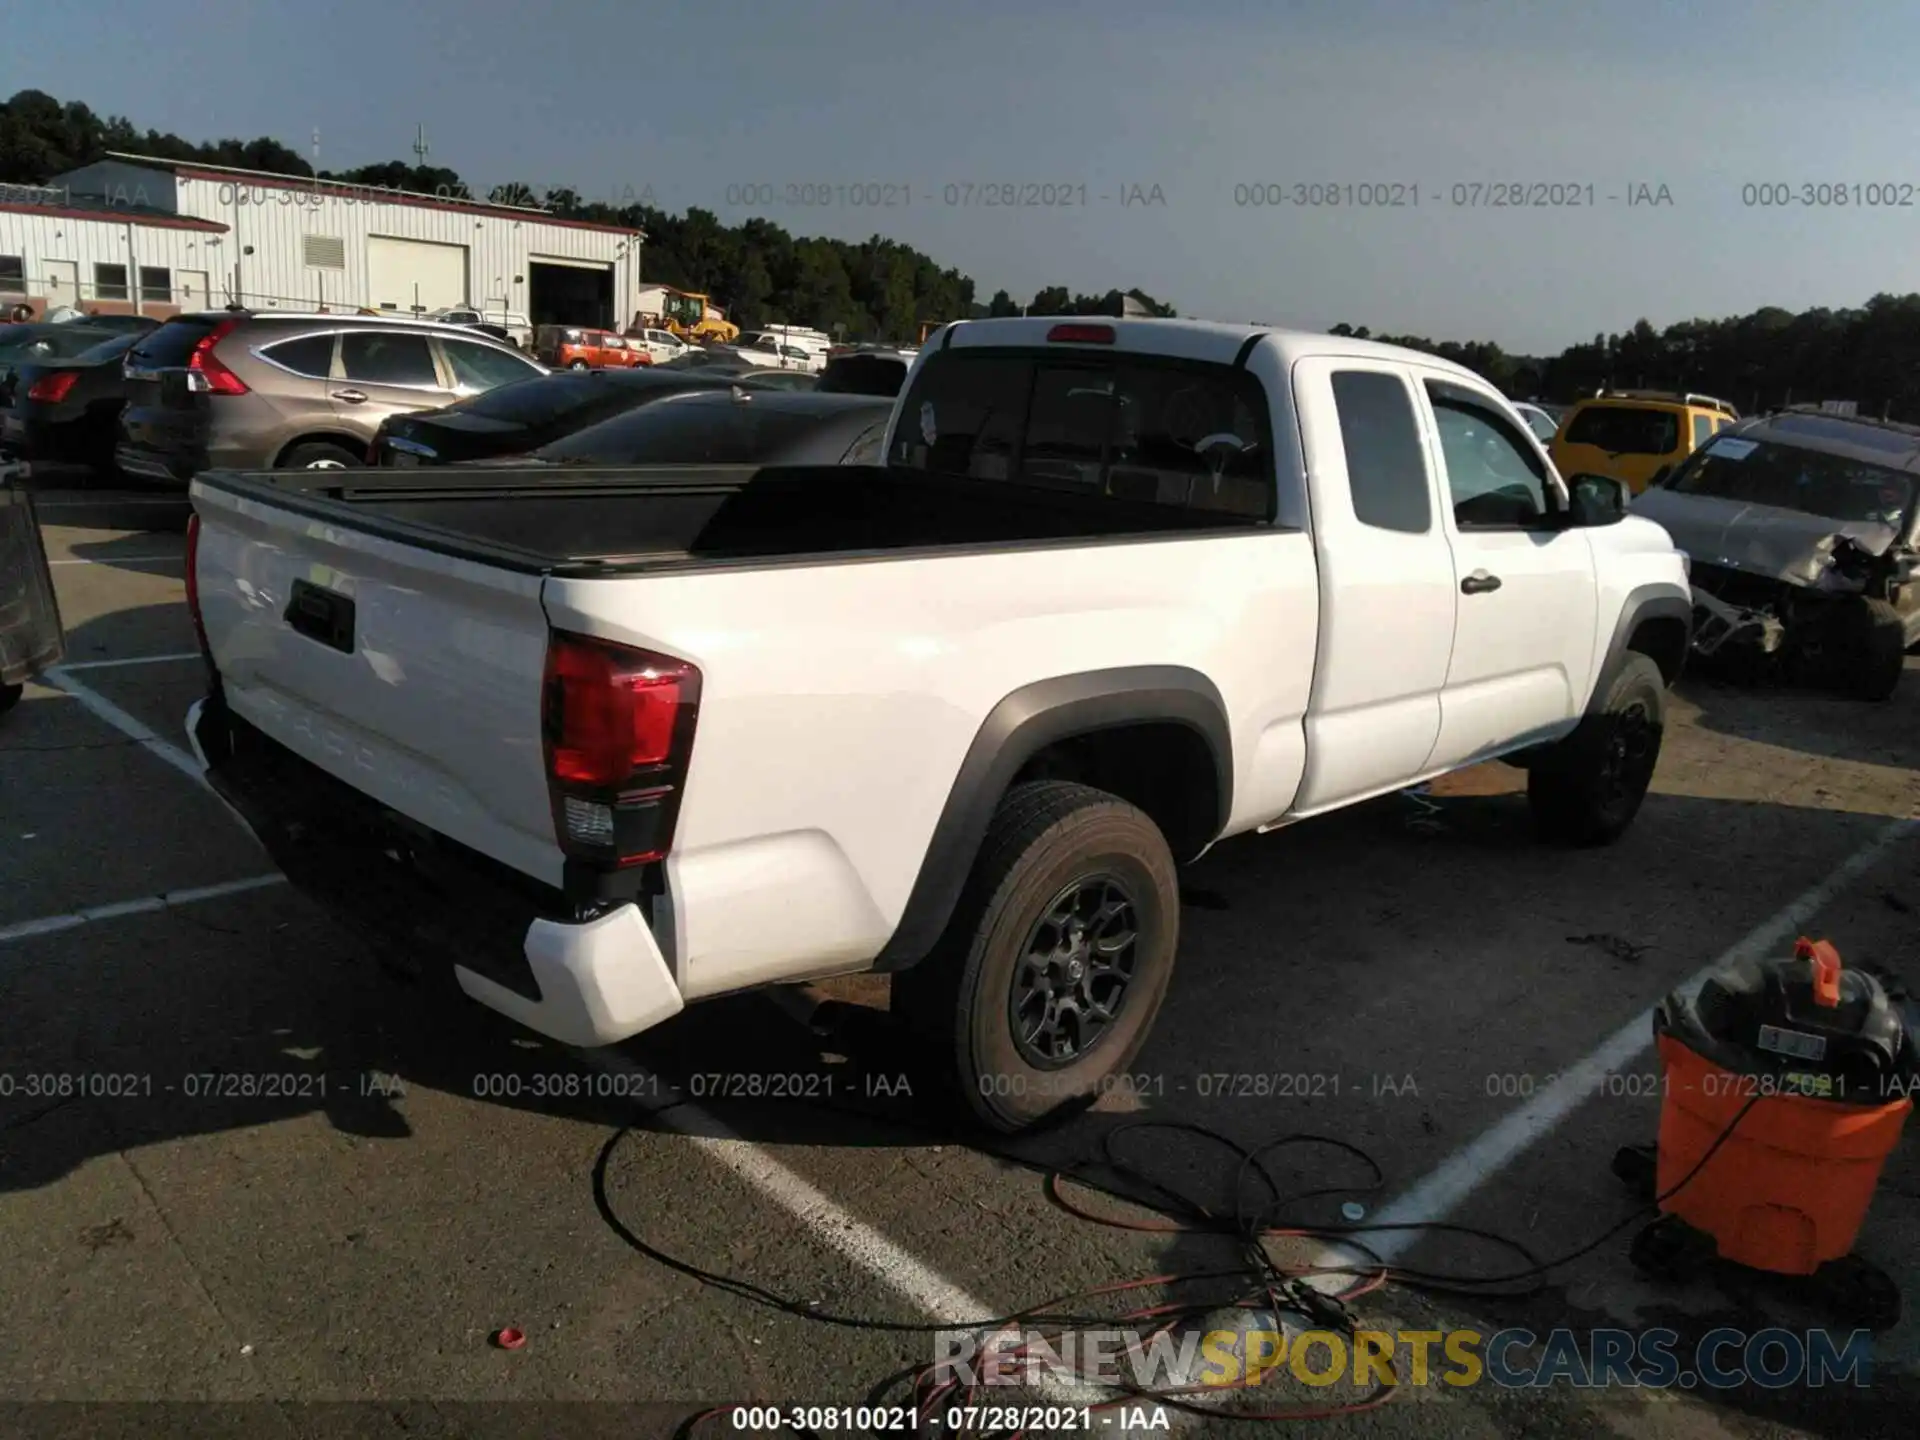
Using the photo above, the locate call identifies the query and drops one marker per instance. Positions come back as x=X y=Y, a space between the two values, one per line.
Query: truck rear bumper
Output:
x=424 y=900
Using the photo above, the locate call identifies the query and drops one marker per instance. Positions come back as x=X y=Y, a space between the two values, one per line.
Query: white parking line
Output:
x=145 y=905
x=1442 y=1191
x=841 y=1231
x=131 y=660
x=106 y=710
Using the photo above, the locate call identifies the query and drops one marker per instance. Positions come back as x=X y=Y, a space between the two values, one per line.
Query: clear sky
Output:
x=692 y=99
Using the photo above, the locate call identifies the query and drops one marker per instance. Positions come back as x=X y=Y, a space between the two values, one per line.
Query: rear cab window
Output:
x=1626 y=429
x=1133 y=427
x=1702 y=428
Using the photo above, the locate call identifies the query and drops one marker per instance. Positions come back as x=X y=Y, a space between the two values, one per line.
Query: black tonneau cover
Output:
x=635 y=519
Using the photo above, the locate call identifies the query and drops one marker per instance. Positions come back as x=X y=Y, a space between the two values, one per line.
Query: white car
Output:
x=1122 y=588
x=766 y=347
x=662 y=345
x=518 y=326
x=1543 y=425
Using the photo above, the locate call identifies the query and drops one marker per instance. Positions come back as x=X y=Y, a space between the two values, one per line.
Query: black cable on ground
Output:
x=1259 y=1283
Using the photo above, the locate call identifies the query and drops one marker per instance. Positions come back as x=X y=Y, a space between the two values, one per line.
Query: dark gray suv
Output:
x=255 y=390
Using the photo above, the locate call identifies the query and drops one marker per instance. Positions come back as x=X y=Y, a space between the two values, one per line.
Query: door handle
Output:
x=1479 y=583
x=352 y=397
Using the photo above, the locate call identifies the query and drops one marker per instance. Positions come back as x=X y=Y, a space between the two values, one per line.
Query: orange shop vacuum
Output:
x=1786 y=1085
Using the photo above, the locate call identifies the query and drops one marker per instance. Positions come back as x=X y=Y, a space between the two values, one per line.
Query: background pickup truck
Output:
x=621 y=740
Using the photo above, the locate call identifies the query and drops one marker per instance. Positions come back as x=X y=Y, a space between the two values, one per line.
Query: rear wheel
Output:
x=1056 y=960
x=320 y=455
x=1587 y=789
x=1873 y=651
x=578 y=365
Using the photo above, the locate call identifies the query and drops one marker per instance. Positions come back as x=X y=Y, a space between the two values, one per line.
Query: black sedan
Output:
x=61 y=394
x=739 y=425
x=522 y=416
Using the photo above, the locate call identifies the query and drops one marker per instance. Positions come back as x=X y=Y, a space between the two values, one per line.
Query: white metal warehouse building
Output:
x=192 y=236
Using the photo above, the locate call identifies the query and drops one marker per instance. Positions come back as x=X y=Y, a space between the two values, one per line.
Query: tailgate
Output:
x=413 y=676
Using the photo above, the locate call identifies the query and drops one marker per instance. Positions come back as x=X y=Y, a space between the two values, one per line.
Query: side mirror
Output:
x=1598 y=500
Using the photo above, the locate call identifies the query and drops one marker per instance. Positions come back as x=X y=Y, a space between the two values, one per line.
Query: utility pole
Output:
x=420 y=147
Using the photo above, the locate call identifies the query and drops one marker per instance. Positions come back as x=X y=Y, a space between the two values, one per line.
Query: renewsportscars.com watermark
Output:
x=1516 y=1359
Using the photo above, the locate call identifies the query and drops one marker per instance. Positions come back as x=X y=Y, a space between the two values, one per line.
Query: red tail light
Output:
x=193 y=587
x=215 y=377
x=618 y=725
x=1081 y=335
x=52 y=388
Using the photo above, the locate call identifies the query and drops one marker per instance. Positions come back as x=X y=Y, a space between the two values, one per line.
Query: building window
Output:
x=109 y=282
x=156 y=283
x=13 y=275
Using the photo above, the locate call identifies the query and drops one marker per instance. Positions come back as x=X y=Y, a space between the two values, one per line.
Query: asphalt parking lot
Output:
x=283 y=1180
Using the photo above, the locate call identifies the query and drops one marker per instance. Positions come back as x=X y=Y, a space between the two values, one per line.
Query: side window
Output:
x=1702 y=428
x=378 y=359
x=310 y=355
x=481 y=367
x=1494 y=479
x=1386 y=470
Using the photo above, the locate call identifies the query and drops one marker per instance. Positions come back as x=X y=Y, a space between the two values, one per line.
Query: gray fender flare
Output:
x=1019 y=727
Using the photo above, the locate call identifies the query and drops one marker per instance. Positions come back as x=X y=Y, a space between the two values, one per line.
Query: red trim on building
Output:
x=374 y=194
x=113 y=216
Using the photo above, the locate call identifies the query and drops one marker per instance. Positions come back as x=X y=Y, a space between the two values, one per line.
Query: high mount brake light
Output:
x=618 y=729
x=214 y=378
x=1080 y=335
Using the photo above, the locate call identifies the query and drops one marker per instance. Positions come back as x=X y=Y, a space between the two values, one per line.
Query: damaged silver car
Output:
x=1801 y=533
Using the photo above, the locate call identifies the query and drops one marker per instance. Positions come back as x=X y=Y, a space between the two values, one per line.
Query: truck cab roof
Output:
x=1209 y=340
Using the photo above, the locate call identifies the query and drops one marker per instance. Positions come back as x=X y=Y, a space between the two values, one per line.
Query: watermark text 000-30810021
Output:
x=1408 y=193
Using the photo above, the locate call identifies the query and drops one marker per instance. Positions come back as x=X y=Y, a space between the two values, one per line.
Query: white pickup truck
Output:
x=615 y=741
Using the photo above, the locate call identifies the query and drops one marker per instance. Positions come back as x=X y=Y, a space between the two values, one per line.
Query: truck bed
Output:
x=596 y=521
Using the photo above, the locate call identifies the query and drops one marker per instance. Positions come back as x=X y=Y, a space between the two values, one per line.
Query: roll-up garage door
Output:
x=406 y=275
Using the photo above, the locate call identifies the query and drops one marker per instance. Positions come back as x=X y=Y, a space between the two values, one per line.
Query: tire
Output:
x=320 y=455
x=578 y=365
x=1874 y=652
x=10 y=696
x=1052 y=847
x=1587 y=789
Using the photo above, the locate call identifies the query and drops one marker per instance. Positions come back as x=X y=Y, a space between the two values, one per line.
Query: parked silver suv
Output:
x=256 y=390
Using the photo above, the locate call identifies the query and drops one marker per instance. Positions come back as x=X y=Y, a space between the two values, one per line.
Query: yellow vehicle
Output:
x=693 y=316
x=1636 y=435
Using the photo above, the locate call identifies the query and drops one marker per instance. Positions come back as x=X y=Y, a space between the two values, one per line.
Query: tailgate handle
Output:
x=321 y=615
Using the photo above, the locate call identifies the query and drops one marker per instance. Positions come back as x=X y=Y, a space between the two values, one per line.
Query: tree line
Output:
x=1869 y=355
x=880 y=289
x=863 y=290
